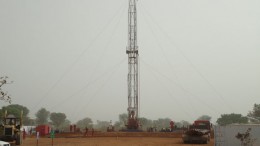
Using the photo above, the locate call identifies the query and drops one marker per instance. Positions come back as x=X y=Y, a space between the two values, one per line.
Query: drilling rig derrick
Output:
x=132 y=52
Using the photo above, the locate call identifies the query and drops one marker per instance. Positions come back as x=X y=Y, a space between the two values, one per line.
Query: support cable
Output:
x=182 y=88
x=99 y=61
x=77 y=59
x=94 y=96
x=213 y=88
x=165 y=87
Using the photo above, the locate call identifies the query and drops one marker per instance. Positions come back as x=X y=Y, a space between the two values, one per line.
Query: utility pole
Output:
x=132 y=52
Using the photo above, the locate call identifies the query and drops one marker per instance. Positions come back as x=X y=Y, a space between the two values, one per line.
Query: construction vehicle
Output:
x=12 y=129
x=198 y=132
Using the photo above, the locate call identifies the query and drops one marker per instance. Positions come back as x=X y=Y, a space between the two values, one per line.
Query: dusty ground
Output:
x=110 y=141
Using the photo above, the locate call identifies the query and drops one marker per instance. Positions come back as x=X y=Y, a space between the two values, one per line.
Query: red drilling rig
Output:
x=133 y=80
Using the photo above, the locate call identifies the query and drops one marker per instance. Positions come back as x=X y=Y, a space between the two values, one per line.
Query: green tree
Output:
x=101 y=125
x=122 y=121
x=42 y=116
x=146 y=123
x=57 y=119
x=31 y=122
x=86 y=122
x=117 y=125
x=204 y=117
x=16 y=109
x=182 y=124
x=123 y=118
x=65 y=125
x=27 y=121
x=162 y=123
x=3 y=94
x=255 y=114
x=233 y=118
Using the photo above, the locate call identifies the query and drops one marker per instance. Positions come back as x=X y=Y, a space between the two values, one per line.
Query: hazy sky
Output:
x=197 y=57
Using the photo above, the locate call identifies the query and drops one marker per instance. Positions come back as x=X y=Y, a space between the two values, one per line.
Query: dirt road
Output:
x=110 y=141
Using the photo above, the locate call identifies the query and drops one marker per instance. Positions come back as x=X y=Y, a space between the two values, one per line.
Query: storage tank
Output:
x=237 y=135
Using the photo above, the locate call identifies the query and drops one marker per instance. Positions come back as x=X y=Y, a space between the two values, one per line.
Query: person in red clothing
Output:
x=24 y=134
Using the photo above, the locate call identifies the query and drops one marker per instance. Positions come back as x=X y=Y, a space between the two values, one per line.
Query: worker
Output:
x=86 y=132
x=92 y=131
x=24 y=133
x=71 y=128
x=31 y=131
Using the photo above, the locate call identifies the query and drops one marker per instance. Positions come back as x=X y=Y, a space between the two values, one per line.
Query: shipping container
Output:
x=237 y=135
x=43 y=130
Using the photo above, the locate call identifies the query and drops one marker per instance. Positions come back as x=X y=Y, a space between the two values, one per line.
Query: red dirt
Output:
x=110 y=141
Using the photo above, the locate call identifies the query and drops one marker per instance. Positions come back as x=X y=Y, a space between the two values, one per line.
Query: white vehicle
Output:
x=2 y=143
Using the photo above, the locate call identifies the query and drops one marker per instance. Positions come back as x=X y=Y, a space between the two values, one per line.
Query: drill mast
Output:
x=132 y=52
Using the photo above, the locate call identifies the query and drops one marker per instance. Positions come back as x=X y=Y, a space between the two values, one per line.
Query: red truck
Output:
x=198 y=132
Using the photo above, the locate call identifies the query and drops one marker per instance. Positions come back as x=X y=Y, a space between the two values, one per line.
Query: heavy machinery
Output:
x=133 y=73
x=198 y=132
x=12 y=129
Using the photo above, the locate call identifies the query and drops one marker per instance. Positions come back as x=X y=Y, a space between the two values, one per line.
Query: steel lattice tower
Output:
x=132 y=52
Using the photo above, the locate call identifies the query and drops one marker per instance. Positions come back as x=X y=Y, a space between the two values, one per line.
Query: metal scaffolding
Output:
x=132 y=52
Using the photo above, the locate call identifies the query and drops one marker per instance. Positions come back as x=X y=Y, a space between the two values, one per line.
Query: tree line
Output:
x=60 y=121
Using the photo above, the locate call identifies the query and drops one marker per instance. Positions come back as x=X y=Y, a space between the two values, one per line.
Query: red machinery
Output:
x=132 y=121
x=199 y=131
x=43 y=129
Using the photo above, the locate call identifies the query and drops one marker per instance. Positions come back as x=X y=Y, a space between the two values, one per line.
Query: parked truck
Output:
x=198 y=132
